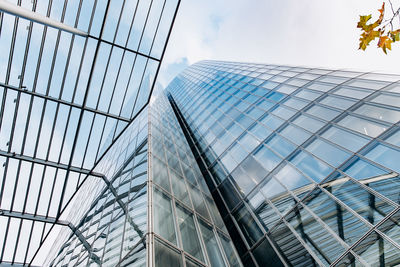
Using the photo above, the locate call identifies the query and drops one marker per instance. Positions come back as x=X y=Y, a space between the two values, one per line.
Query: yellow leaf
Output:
x=367 y=37
x=363 y=21
x=385 y=43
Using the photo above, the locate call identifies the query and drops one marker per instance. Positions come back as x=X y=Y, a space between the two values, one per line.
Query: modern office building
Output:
x=302 y=163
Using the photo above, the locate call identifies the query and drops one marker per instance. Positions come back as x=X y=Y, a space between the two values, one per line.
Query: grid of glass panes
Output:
x=186 y=223
x=113 y=230
x=65 y=99
x=302 y=154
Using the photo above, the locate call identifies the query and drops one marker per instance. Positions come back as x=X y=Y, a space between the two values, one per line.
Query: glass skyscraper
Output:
x=302 y=163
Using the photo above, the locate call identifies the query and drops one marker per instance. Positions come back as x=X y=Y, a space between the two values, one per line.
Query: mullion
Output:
x=17 y=241
x=81 y=112
x=7 y=78
x=134 y=61
x=5 y=239
x=158 y=25
x=104 y=77
x=87 y=144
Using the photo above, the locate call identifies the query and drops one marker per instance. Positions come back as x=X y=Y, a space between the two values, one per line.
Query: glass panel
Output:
x=344 y=138
x=337 y=102
x=347 y=226
x=308 y=123
x=352 y=92
x=295 y=134
x=163 y=217
x=312 y=167
x=363 y=126
x=213 y=251
x=361 y=169
x=377 y=251
x=179 y=188
x=386 y=99
x=190 y=239
x=322 y=112
x=322 y=243
x=386 y=156
x=280 y=145
x=229 y=251
x=385 y=114
x=266 y=256
x=268 y=159
x=366 y=204
x=291 y=178
x=166 y=256
x=248 y=225
x=329 y=153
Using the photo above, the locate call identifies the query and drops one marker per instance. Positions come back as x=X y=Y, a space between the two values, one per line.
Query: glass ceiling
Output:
x=73 y=75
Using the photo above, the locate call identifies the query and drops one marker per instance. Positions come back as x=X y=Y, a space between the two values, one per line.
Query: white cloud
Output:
x=309 y=33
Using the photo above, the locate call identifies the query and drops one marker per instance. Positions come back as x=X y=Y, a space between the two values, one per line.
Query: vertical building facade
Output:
x=302 y=163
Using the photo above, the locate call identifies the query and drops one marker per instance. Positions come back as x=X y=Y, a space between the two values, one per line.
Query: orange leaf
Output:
x=385 y=43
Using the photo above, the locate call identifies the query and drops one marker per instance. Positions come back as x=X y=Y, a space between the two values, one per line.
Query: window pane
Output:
x=163 y=216
x=331 y=154
x=214 y=253
x=363 y=126
x=385 y=114
x=190 y=239
x=295 y=134
x=344 y=138
x=314 y=168
x=280 y=145
x=166 y=256
x=386 y=156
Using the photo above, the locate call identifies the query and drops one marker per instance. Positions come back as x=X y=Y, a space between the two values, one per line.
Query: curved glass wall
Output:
x=303 y=163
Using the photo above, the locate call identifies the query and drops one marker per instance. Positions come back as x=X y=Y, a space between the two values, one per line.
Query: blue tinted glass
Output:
x=337 y=102
x=344 y=138
x=361 y=169
x=280 y=145
x=363 y=126
x=283 y=112
x=294 y=134
x=308 y=123
x=394 y=138
x=275 y=96
x=268 y=159
x=260 y=131
x=291 y=178
x=271 y=121
x=386 y=156
x=322 y=112
x=331 y=154
x=315 y=169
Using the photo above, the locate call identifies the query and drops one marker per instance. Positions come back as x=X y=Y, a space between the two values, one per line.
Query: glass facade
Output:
x=75 y=79
x=303 y=164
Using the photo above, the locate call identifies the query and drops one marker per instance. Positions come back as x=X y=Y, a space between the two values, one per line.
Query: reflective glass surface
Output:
x=315 y=169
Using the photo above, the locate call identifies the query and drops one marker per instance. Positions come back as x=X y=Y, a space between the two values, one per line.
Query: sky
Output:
x=312 y=33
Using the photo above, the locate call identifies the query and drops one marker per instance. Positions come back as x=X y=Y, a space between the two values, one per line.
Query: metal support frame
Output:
x=48 y=163
x=33 y=16
x=64 y=102
x=51 y=220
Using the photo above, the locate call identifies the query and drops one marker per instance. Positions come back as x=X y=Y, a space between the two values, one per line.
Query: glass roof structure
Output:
x=74 y=75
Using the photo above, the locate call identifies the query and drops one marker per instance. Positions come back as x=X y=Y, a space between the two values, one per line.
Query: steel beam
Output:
x=36 y=17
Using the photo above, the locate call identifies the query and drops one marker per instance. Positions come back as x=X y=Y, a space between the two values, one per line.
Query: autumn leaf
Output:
x=395 y=35
x=382 y=11
x=363 y=22
x=367 y=37
x=385 y=43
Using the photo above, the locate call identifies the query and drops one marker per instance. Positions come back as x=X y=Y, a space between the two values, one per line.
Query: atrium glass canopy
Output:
x=74 y=75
